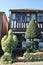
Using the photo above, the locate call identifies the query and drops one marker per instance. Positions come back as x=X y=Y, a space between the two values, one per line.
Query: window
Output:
x=14 y=24
x=33 y=16
x=39 y=17
x=18 y=17
x=28 y=14
x=23 y=44
x=28 y=17
x=39 y=25
x=23 y=18
x=13 y=16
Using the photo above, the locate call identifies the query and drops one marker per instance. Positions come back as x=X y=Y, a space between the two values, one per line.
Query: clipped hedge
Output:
x=38 y=56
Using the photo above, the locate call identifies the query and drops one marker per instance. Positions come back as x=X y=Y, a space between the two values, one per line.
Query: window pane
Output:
x=28 y=14
x=13 y=16
x=33 y=16
x=23 y=18
x=28 y=18
x=39 y=17
x=18 y=17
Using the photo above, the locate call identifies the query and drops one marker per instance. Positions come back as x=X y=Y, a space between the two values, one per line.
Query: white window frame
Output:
x=22 y=25
x=11 y=24
x=14 y=24
x=17 y=25
x=39 y=25
x=27 y=25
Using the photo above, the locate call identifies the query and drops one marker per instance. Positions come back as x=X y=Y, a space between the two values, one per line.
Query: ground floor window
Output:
x=23 y=44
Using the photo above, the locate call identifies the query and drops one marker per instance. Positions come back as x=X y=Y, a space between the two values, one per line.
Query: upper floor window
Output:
x=28 y=17
x=13 y=16
x=40 y=17
x=23 y=18
x=18 y=17
x=33 y=16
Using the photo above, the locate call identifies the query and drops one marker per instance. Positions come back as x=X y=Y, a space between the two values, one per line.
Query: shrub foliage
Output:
x=9 y=42
x=33 y=31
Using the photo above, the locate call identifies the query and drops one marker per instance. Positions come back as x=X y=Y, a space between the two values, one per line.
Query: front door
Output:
x=19 y=36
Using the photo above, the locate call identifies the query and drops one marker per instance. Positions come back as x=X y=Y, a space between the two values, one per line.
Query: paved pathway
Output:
x=28 y=63
x=25 y=63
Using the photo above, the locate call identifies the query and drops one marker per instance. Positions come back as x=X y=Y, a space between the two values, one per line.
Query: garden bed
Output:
x=38 y=56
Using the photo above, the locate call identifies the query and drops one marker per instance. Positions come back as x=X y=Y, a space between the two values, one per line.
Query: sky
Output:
x=5 y=5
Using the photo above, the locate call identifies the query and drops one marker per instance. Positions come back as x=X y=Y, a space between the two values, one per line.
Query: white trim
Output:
x=18 y=32
x=41 y=25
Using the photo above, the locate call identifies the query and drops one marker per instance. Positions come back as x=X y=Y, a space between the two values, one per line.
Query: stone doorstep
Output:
x=20 y=58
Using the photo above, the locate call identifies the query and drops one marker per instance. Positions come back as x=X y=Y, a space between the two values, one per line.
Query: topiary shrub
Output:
x=9 y=42
x=33 y=32
x=30 y=46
